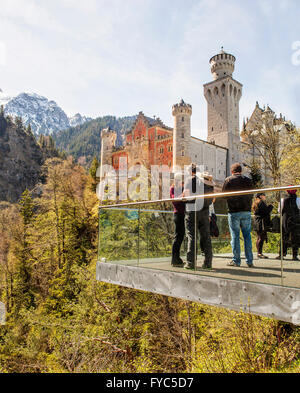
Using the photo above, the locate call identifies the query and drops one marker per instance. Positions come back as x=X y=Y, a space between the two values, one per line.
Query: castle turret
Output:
x=268 y=117
x=108 y=142
x=223 y=96
x=182 y=113
x=222 y=65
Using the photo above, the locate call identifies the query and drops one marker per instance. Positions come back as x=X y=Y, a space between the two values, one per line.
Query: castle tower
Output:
x=108 y=142
x=182 y=113
x=223 y=95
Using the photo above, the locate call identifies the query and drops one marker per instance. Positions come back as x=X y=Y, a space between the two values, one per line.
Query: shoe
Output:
x=188 y=267
x=295 y=259
x=177 y=264
x=262 y=256
x=206 y=267
x=279 y=257
x=251 y=265
x=232 y=263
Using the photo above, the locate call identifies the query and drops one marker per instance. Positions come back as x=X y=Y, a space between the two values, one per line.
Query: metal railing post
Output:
x=139 y=234
x=195 y=237
x=281 y=237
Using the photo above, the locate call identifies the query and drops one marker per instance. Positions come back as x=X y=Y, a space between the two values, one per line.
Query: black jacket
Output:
x=290 y=215
x=262 y=220
x=241 y=203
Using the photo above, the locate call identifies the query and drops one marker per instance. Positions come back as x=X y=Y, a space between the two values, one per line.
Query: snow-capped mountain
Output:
x=44 y=116
x=78 y=120
x=3 y=98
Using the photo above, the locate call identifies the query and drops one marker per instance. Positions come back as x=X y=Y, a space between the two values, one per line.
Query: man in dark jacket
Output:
x=291 y=223
x=239 y=214
x=198 y=210
x=179 y=215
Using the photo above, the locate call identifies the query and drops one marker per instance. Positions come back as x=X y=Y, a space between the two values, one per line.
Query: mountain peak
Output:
x=44 y=116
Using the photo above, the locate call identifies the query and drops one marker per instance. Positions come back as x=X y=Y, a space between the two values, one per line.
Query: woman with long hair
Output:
x=262 y=221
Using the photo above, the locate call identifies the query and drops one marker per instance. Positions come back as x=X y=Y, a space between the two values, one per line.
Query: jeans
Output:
x=240 y=221
x=203 y=226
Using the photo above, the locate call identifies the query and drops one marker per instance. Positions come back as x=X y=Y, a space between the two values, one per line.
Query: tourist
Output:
x=290 y=206
x=179 y=214
x=197 y=217
x=239 y=214
x=262 y=222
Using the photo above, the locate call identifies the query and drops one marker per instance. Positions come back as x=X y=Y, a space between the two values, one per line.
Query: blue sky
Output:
x=119 y=57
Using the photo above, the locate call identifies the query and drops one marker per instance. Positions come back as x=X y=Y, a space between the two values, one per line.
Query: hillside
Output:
x=84 y=141
x=21 y=158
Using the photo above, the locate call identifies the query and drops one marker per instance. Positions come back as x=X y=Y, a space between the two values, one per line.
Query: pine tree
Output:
x=23 y=296
x=93 y=173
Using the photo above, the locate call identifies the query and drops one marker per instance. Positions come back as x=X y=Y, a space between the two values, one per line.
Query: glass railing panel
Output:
x=290 y=242
x=119 y=236
x=221 y=243
x=143 y=236
x=156 y=236
x=155 y=250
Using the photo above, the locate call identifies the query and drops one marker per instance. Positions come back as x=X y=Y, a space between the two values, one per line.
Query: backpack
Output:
x=275 y=225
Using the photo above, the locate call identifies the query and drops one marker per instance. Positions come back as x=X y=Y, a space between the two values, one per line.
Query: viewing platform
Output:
x=267 y=271
x=135 y=248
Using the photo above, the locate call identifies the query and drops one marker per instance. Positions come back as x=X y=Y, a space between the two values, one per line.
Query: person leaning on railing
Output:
x=290 y=224
x=262 y=221
x=239 y=214
x=198 y=210
x=179 y=214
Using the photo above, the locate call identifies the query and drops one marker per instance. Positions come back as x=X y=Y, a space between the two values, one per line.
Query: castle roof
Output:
x=150 y=122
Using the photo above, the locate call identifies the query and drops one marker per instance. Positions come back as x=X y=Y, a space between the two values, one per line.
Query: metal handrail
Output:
x=192 y=198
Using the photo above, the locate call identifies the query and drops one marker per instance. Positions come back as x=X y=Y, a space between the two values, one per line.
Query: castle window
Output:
x=223 y=88
x=212 y=128
x=182 y=118
x=182 y=153
x=182 y=135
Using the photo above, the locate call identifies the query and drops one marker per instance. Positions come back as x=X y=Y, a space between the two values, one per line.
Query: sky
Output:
x=120 y=57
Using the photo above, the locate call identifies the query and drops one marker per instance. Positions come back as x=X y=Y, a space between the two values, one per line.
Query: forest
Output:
x=61 y=320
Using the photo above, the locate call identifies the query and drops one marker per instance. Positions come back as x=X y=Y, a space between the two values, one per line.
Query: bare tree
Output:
x=270 y=141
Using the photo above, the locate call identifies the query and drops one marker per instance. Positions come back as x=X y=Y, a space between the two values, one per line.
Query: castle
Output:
x=150 y=142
